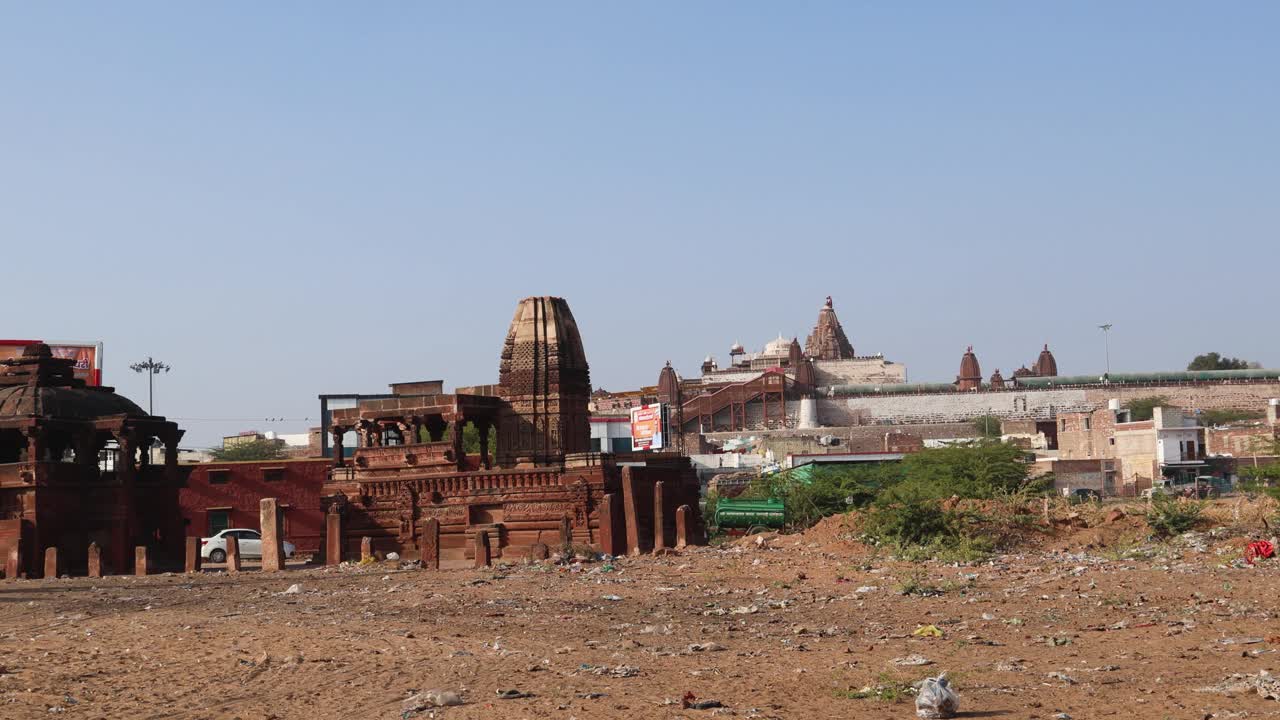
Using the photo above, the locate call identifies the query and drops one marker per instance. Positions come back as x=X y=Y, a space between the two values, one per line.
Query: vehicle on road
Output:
x=214 y=549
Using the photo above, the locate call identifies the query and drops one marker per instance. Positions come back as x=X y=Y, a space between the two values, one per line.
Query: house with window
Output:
x=221 y=495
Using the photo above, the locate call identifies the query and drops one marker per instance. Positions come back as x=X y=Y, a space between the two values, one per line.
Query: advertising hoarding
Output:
x=88 y=356
x=648 y=425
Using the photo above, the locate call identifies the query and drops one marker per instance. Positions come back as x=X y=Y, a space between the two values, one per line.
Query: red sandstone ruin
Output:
x=410 y=487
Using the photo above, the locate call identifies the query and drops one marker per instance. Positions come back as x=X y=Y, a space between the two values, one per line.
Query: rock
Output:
x=707 y=647
x=432 y=698
x=912 y=661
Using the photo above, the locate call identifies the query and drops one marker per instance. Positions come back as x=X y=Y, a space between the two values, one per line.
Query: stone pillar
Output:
x=366 y=548
x=272 y=542
x=192 y=564
x=683 y=518
x=141 y=565
x=13 y=564
x=338 y=458
x=333 y=537
x=808 y=414
x=659 y=517
x=485 y=461
x=431 y=544
x=566 y=531
x=126 y=473
x=51 y=563
x=95 y=560
x=610 y=541
x=483 y=558
x=233 y=555
x=629 y=515
x=459 y=426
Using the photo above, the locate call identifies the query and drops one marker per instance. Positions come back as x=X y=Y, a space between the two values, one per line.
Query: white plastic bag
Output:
x=936 y=699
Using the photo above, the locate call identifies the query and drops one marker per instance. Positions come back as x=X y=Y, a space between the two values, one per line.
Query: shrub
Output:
x=1169 y=515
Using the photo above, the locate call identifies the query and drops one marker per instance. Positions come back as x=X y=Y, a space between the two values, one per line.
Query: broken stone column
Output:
x=366 y=549
x=610 y=543
x=13 y=564
x=629 y=515
x=566 y=531
x=51 y=563
x=431 y=544
x=483 y=558
x=333 y=538
x=192 y=564
x=659 y=517
x=233 y=554
x=272 y=542
x=95 y=560
x=684 y=515
x=141 y=565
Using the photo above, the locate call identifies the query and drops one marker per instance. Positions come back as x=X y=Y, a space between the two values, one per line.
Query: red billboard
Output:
x=88 y=356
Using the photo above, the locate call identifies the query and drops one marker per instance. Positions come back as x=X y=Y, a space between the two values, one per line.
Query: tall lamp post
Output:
x=152 y=368
x=1106 y=335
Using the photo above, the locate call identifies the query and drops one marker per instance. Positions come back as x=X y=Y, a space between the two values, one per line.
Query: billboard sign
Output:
x=88 y=356
x=647 y=425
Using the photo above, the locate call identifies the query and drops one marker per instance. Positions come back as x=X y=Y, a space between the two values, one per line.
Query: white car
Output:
x=214 y=549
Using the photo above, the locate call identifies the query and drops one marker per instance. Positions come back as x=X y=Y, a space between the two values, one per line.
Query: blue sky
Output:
x=284 y=199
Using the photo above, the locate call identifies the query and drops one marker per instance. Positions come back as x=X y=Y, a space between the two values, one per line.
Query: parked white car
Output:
x=214 y=549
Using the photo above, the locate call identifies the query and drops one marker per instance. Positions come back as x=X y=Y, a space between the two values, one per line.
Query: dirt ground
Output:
x=806 y=626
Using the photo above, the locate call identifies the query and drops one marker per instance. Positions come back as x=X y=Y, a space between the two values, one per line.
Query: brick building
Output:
x=220 y=495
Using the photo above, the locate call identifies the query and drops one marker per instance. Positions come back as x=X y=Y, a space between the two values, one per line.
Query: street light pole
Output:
x=152 y=368
x=1106 y=334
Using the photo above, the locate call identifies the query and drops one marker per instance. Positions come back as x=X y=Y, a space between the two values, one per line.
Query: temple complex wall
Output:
x=951 y=407
x=860 y=371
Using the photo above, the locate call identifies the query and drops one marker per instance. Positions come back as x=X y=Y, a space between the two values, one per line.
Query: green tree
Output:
x=987 y=426
x=1214 y=361
x=261 y=449
x=982 y=470
x=1141 y=408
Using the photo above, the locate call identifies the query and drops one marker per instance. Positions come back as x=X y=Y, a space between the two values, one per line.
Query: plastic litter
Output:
x=1258 y=550
x=432 y=698
x=936 y=699
x=691 y=702
x=927 y=631
x=393 y=556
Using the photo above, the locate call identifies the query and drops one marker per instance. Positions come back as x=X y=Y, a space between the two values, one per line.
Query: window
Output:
x=219 y=477
x=219 y=520
x=272 y=474
x=1111 y=440
x=1088 y=423
x=620 y=445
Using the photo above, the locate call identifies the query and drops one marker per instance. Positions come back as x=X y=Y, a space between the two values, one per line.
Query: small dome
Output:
x=707 y=360
x=736 y=349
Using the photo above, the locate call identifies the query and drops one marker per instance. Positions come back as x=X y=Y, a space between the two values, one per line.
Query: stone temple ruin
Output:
x=410 y=487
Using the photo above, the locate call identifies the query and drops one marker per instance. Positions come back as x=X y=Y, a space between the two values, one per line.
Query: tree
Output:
x=1214 y=361
x=983 y=470
x=1142 y=408
x=987 y=426
x=260 y=449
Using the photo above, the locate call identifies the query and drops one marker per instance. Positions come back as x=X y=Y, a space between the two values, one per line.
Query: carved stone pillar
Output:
x=459 y=427
x=35 y=443
x=339 y=458
x=485 y=461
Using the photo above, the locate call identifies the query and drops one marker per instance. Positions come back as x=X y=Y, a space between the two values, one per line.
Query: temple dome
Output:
x=828 y=341
x=37 y=384
x=778 y=346
x=736 y=349
x=1046 y=365
x=970 y=377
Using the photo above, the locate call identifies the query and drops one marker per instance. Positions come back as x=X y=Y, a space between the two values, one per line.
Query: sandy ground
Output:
x=803 y=627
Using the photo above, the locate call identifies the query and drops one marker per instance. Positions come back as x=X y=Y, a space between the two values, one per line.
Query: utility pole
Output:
x=152 y=368
x=1106 y=335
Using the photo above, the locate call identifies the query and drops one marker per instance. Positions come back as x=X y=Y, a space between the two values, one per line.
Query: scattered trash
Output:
x=691 y=702
x=912 y=661
x=1241 y=640
x=294 y=589
x=866 y=589
x=611 y=598
x=706 y=647
x=1258 y=550
x=1267 y=686
x=513 y=694
x=621 y=671
x=936 y=699
x=393 y=556
x=927 y=631
x=1062 y=677
x=432 y=698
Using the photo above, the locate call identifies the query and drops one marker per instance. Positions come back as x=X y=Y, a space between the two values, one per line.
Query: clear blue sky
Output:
x=284 y=199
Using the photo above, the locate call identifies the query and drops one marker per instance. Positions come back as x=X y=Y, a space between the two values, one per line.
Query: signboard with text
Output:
x=647 y=425
x=88 y=356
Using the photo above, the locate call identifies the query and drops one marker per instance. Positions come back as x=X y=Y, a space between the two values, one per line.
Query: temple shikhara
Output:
x=76 y=468
x=411 y=487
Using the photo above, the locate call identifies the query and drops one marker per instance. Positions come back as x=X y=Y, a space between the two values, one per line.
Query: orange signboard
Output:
x=647 y=424
x=88 y=356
